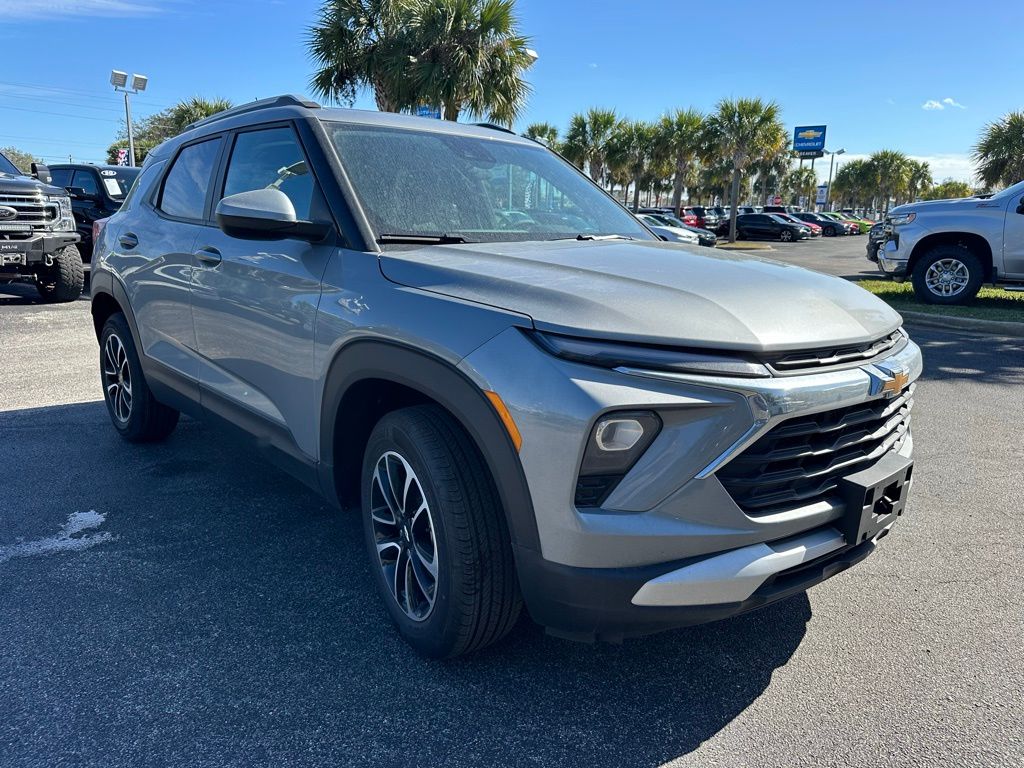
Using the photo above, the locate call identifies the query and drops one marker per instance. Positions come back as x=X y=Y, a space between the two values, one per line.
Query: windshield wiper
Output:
x=422 y=240
x=583 y=236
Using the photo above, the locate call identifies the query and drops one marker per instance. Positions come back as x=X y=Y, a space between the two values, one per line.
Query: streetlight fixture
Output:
x=119 y=80
x=831 y=162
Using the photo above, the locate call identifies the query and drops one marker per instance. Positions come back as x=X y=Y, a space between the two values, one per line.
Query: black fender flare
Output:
x=442 y=382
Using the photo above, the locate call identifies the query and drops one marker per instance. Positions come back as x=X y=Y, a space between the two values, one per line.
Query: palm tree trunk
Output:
x=677 y=187
x=735 y=197
x=451 y=112
x=636 y=194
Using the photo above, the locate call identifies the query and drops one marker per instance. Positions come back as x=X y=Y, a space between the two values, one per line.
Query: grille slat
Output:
x=804 y=458
x=32 y=210
x=824 y=358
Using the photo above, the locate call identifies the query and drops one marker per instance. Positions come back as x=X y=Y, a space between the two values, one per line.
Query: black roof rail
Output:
x=289 y=100
x=494 y=127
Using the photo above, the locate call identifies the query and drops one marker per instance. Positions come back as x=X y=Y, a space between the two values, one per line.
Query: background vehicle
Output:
x=877 y=236
x=704 y=237
x=707 y=218
x=96 y=191
x=508 y=402
x=789 y=209
x=37 y=234
x=667 y=232
x=950 y=247
x=829 y=227
x=768 y=226
x=813 y=230
x=687 y=218
x=852 y=227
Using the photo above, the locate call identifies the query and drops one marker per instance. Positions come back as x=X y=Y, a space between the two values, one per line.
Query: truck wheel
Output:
x=436 y=534
x=134 y=412
x=948 y=274
x=65 y=280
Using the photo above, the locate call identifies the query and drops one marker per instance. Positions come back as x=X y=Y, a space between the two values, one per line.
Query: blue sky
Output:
x=911 y=76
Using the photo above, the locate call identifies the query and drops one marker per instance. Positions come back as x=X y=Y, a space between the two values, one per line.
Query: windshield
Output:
x=6 y=166
x=117 y=181
x=432 y=184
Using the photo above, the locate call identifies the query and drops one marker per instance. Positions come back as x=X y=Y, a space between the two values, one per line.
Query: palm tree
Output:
x=587 y=140
x=357 y=43
x=892 y=174
x=184 y=113
x=854 y=183
x=919 y=179
x=630 y=152
x=681 y=136
x=802 y=182
x=999 y=153
x=743 y=130
x=545 y=133
x=470 y=56
x=948 y=189
x=772 y=168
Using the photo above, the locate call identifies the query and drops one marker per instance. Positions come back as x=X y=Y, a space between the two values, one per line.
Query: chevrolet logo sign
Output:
x=886 y=381
x=809 y=134
x=896 y=384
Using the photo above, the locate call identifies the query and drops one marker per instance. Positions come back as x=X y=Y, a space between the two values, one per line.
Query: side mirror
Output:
x=1020 y=206
x=77 y=193
x=265 y=214
x=41 y=172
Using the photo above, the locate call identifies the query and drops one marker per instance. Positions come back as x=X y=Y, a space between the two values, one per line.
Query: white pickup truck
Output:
x=949 y=248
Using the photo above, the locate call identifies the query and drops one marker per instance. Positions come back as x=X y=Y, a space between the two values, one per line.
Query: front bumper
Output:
x=670 y=520
x=34 y=250
x=891 y=259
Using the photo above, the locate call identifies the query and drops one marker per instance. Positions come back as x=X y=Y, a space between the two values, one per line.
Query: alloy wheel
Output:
x=403 y=532
x=947 y=277
x=117 y=378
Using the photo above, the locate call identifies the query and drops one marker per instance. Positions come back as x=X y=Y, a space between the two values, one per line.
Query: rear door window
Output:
x=188 y=182
x=271 y=159
x=60 y=177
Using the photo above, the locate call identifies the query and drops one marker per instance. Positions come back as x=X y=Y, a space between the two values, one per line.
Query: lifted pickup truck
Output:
x=948 y=248
x=37 y=234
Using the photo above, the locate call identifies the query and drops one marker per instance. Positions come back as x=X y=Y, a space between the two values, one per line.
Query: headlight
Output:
x=65 y=219
x=904 y=218
x=610 y=354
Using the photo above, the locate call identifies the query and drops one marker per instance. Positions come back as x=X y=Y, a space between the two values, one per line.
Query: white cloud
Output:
x=932 y=104
x=946 y=102
x=57 y=9
x=951 y=103
x=943 y=166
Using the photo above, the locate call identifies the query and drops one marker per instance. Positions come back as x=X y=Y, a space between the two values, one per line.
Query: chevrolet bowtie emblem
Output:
x=896 y=384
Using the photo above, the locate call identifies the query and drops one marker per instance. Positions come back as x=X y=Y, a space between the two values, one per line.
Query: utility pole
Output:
x=828 y=190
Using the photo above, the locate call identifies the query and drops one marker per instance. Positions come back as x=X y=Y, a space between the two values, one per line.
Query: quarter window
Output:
x=271 y=159
x=186 y=185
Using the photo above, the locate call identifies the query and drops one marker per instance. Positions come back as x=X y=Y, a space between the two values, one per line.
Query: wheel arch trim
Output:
x=364 y=359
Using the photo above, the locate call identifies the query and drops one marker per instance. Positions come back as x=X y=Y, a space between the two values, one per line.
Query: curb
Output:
x=999 y=327
x=744 y=246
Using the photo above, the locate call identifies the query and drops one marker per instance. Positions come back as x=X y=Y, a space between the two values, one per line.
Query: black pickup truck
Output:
x=37 y=234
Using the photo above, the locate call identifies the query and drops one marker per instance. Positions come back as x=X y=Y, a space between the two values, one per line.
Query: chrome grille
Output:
x=801 y=460
x=824 y=358
x=32 y=210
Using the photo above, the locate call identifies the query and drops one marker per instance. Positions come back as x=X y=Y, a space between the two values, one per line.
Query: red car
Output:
x=815 y=229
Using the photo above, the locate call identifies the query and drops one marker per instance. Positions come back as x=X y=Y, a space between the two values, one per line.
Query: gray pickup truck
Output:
x=949 y=248
x=37 y=234
x=527 y=397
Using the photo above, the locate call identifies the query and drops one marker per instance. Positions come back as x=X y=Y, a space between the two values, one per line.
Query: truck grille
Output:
x=32 y=210
x=802 y=459
x=824 y=358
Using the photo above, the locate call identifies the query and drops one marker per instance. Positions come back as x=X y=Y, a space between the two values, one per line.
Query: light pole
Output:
x=119 y=80
x=828 y=190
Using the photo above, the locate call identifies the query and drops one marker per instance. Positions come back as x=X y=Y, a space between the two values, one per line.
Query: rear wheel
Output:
x=786 y=236
x=948 y=274
x=436 y=534
x=65 y=279
x=134 y=412
x=829 y=231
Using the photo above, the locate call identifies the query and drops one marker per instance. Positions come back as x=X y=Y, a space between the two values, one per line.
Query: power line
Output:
x=40 y=140
x=104 y=96
x=62 y=114
x=113 y=107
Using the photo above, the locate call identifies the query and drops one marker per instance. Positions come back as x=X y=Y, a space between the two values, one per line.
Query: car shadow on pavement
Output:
x=25 y=294
x=978 y=358
x=228 y=617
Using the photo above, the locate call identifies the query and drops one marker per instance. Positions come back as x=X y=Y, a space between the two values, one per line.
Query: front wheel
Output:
x=134 y=412
x=436 y=534
x=65 y=279
x=786 y=236
x=829 y=232
x=948 y=274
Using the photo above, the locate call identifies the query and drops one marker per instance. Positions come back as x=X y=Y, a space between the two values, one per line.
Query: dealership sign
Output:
x=809 y=138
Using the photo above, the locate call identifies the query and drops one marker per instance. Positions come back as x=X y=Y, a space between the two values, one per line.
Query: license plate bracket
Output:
x=875 y=497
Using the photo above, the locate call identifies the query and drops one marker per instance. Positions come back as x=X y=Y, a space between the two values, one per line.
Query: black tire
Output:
x=786 y=236
x=146 y=420
x=476 y=598
x=65 y=280
x=829 y=231
x=951 y=254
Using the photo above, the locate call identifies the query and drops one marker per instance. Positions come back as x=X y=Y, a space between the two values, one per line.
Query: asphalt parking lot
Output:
x=186 y=604
x=841 y=256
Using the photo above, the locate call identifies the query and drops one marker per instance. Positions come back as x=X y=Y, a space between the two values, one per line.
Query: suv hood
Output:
x=26 y=185
x=651 y=292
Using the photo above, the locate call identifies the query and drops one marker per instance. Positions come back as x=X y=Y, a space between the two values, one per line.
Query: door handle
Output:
x=128 y=240
x=209 y=255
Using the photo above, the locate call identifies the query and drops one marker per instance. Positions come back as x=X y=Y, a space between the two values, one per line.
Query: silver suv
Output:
x=531 y=399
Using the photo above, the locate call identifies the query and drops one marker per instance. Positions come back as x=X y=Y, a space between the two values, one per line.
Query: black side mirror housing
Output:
x=263 y=214
x=42 y=173
x=1020 y=206
x=77 y=193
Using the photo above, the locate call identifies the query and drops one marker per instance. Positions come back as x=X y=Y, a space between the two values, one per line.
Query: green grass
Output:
x=991 y=303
